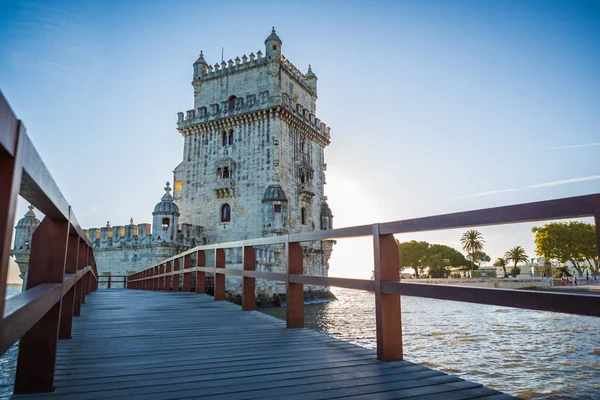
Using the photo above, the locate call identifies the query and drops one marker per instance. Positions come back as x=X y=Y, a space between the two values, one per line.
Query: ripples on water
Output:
x=529 y=354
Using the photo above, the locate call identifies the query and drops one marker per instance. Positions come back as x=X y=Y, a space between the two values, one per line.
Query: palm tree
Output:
x=501 y=262
x=516 y=254
x=471 y=242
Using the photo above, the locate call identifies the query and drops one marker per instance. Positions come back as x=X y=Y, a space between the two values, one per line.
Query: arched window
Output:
x=226 y=172
x=165 y=223
x=302 y=180
x=219 y=172
x=230 y=136
x=225 y=213
x=224 y=138
x=231 y=102
x=277 y=208
x=303 y=216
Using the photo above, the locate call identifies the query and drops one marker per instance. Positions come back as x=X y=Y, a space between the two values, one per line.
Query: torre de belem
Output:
x=253 y=166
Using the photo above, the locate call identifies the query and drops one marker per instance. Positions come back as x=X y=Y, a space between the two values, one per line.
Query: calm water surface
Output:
x=529 y=354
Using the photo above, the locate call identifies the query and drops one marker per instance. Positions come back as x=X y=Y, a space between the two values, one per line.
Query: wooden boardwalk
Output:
x=131 y=344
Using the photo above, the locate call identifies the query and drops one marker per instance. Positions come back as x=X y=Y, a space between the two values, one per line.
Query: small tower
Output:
x=165 y=221
x=23 y=234
x=275 y=211
x=200 y=67
x=273 y=46
x=311 y=78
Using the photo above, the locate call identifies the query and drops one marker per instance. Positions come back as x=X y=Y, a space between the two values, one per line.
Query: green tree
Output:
x=439 y=257
x=411 y=255
x=471 y=242
x=573 y=241
x=501 y=262
x=514 y=271
x=517 y=254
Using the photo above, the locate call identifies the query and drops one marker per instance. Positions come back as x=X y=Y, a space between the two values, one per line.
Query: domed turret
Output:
x=165 y=218
x=275 y=211
x=311 y=79
x=200 y=67
x=273 y=46
x=29 y=220
x=23 y=235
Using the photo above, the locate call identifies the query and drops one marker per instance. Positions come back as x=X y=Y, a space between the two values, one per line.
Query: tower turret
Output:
x=23 y=234
x=273 y=46
x=165 y=220
x=311 y=79
x=200 y=67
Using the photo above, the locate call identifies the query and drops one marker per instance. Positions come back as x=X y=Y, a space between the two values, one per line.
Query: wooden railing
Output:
x=386 y=284
x=62 y=269
x=111 y=280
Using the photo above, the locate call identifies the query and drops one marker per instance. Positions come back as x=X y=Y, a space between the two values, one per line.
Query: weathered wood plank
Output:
x=153 y=345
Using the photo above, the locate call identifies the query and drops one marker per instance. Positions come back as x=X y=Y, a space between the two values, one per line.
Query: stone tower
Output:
x=253 y=159
x=22 y=245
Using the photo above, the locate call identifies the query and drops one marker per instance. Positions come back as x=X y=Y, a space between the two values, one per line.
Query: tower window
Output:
x=219 y=172
x=275 y=47
x=226 y=172
x=231 y=102
x=303 y=145
x=230 y=138
x=165 y=222
x=224 y=138
x=303 y=216
x=178 y=185
x=225 y=213
x=277 y=208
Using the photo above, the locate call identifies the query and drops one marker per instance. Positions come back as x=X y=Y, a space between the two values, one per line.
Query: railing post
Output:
x=200 y=275
x=248 y=283
x=161 y=280
x=81 y=259
x=68 y=301
x=168 y=277
x=176 y=264
x=37 y=349
x=187 y=263
x=387 y=306
x=295 y=291
x=597 y=223
x=11 y=170
x=219 y=277
x=108 y=283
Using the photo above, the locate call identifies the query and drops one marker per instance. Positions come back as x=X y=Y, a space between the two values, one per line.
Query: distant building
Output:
x=123 y=249
x=253 y=161
x=253 y=166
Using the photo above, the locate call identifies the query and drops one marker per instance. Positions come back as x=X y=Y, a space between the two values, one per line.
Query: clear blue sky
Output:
x=435 y=106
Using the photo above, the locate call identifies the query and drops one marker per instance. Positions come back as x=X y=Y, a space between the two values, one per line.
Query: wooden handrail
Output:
x=62 y=269
x=386 y=285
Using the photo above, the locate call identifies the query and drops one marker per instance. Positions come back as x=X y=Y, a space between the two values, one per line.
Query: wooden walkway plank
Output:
x=154 y=345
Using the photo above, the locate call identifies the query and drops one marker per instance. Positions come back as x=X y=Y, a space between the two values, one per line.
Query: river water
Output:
x=528 y=354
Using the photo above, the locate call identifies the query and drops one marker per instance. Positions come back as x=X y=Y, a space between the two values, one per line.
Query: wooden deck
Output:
x=131 y=344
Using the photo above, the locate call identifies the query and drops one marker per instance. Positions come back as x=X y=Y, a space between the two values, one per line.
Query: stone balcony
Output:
x=223 y=187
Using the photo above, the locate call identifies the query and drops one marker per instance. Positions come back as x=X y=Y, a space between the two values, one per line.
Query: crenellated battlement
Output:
x=230 y=67
x=252 y=102
x=134 y=236
x=295 y=73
